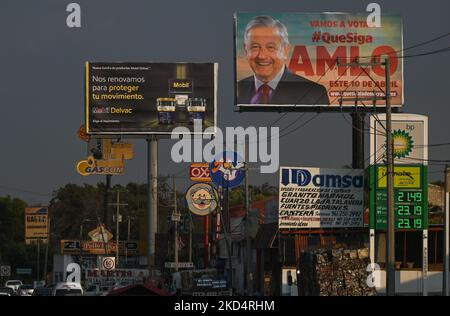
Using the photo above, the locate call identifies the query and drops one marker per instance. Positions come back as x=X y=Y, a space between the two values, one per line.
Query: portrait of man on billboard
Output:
x=266 y=46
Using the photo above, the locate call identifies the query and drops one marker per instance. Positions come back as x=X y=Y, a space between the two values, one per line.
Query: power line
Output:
x=411 y=47
x=7 y=188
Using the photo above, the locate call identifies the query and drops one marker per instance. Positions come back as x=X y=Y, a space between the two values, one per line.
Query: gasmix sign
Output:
x=320 y=198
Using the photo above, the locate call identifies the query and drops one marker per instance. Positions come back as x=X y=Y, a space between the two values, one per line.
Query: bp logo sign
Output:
x=403 y=143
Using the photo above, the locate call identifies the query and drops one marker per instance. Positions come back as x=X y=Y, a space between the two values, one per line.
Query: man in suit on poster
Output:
x=267 y=46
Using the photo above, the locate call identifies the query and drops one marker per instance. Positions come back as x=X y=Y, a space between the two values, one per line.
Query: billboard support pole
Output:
x=175 y=212
x=152 y=203
x=390 y=260
x=248 y=242
x=446 y=249
x=358 y=138
x=106 y=218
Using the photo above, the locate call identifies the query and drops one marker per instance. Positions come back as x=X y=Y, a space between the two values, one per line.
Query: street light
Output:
x=81 y=238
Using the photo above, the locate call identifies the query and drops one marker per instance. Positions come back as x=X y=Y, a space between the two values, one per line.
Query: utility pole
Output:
x=44 y=276
x=190 y=237
x=390 y=236
x=118 y=205
x=175 y=218
x=390 y=240
x=152 y=199
x=445 y=284
x=106 y=219
x=38 y=254
x=248 y=242
x=128 y=240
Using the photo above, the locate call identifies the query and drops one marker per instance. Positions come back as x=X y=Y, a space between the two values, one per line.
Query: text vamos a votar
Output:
x=303 y=177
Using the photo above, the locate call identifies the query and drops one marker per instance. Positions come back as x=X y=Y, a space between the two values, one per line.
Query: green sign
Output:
x=410 y=197
x=23 y=271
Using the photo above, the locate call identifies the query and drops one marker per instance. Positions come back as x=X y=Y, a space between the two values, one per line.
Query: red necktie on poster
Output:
x=265 y=93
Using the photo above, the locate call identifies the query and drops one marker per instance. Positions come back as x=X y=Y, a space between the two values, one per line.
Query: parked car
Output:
x=96 y=290
x=26 y=290
x=42 y=291
x=6 y=291
x=14 y=284
x=67 y=288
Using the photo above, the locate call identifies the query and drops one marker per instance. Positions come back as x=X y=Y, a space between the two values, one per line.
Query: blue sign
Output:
x=227 y=169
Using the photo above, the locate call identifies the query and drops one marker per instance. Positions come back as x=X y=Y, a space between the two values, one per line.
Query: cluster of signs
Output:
x=100 y=244
x=104 y=156
x=226 y=171
x=332 y=198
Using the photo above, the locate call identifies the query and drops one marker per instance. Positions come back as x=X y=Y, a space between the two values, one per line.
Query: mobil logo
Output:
x=327 y=178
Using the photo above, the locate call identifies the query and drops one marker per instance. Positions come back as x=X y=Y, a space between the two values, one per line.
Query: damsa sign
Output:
x=320 y=198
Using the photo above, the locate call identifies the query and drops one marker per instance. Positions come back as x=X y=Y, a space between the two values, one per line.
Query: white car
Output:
x=14 y=284
x=67 y=289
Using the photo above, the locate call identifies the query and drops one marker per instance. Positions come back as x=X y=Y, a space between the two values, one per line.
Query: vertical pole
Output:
x=358 y=139
x=44 y=277
x=117 y=229
x=128 y=240
x=37 y=264
x=81 y=245
x=106 y=218
x=175 y=212
x=152 y=202
x=425 y=262
x=190 y=238
x=248 y=250
x=206 y=241
x=446 y=251
x=390 y=260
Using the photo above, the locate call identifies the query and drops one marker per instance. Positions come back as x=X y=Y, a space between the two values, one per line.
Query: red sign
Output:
x=199 y=172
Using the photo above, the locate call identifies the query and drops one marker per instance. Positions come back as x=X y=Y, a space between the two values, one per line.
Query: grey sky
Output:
x=42 y=81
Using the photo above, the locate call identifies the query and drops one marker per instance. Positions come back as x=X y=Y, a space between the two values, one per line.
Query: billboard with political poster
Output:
x=291 y=59
x=150 y=98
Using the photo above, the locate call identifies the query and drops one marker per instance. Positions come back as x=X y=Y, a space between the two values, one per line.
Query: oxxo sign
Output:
x=199 y=172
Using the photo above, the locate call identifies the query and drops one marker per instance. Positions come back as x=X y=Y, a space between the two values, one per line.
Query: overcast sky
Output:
x=42 y=81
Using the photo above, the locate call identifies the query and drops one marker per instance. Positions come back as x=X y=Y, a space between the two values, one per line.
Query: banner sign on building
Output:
x=110 y=278
x=150 y=98
x=290 y=59
x=72 y=247
x=36 y=224
x=320 y=198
